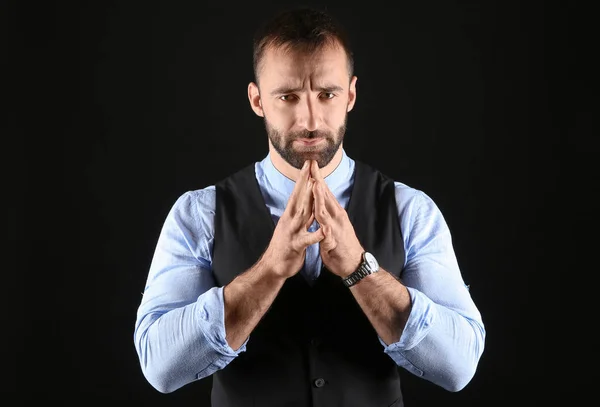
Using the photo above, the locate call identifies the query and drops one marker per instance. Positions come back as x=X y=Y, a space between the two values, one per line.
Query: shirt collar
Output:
x=283 y=184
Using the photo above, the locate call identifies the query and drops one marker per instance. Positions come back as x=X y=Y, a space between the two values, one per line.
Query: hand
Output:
x=287 y=250
x=341 y=250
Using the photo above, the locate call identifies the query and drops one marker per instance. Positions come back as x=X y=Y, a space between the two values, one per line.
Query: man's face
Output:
x=305 y=99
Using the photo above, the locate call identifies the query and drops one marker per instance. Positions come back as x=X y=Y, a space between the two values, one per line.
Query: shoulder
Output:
x=195 y=204
x=419 y=216
x=413 y=202
x=406 y=194
x=203 y=200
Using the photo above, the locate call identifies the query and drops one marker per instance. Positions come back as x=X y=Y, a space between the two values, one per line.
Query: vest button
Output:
x=320 y=382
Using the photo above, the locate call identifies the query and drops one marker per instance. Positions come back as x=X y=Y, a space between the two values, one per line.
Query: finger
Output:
x=304 y=203
x=310 y=238
x=335 y=205
x=315 y=171
x=321 y=213
x=330 y=201
x=303 y=177
x=310 y=221
x=300 y=184
x=328 y=243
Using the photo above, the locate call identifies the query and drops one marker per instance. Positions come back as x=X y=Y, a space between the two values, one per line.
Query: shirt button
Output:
x=320 y=382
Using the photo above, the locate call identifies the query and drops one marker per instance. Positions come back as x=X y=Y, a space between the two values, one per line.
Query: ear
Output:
x=352 y=93
x=254 y=99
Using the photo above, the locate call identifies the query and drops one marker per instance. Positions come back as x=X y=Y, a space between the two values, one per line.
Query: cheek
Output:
x=282 y=118
x=334 y=117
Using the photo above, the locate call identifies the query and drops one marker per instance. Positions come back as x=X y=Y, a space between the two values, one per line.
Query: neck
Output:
x=292 y=173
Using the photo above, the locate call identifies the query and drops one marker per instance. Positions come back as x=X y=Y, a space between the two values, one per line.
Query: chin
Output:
x=310 y=155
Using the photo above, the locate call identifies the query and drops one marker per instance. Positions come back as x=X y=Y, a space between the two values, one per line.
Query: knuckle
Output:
x=297 y=246
x=296 y=218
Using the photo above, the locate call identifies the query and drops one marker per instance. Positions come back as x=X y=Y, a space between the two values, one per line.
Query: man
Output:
x=308 y=278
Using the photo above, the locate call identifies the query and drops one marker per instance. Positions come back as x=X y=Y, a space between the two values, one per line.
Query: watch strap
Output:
x=361 y=272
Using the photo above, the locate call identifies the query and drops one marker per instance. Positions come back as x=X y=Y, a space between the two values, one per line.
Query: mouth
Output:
x=309 y=141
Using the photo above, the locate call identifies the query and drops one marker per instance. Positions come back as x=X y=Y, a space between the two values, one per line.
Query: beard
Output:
x=323 y=153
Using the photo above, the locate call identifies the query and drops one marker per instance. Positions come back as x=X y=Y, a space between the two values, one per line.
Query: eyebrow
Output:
x=282 y=90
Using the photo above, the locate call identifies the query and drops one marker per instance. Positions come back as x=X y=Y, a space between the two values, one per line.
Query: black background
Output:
x=117 y=108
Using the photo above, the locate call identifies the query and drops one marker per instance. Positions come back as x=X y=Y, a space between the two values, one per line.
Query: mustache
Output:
x=309 y=134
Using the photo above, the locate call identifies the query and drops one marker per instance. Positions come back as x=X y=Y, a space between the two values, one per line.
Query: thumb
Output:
x=328 y=243
x=311 y=238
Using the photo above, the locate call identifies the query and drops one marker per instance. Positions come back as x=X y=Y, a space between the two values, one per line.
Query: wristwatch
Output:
x=368 y=266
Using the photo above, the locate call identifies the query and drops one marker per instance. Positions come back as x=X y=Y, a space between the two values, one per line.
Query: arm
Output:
x=250 y=294
x=247 y=298
x=385 y=302
x=440 y=334
x=186 y=327
x=179 y=331
x=428 y=322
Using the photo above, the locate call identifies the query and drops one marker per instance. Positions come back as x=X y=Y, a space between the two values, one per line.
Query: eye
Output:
x=328 y=95
x=286 y=98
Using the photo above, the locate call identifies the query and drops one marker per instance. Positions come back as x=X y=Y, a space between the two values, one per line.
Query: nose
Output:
x=309 y=115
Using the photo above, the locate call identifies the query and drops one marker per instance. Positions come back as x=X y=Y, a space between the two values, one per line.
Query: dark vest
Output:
x=315 y=346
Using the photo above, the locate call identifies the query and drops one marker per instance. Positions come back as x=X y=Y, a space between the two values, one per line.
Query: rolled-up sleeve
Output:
x=180 y=329
x=444 y=336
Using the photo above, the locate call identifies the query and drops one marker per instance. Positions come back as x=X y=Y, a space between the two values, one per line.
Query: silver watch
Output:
x=368 y=266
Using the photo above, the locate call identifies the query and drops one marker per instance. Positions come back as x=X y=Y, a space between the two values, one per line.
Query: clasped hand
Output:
x=340 y=249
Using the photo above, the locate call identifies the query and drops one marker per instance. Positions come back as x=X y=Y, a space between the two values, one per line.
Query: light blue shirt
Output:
x=180 y=329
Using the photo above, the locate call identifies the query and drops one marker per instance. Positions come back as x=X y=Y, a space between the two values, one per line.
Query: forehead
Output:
x=282 y=64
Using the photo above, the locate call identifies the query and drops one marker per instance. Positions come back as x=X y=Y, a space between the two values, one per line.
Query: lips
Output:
x=309 y=141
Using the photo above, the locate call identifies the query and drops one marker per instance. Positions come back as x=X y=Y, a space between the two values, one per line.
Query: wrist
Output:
x=367 y=266
x=357 y=259
x=270 y=268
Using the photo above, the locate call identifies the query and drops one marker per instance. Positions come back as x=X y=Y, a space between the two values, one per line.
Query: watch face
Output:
x=371 y=262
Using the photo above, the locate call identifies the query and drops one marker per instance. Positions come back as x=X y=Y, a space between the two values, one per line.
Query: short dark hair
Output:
x=301 y=29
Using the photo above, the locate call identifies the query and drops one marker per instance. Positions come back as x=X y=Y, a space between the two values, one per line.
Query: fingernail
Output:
x=305 y=164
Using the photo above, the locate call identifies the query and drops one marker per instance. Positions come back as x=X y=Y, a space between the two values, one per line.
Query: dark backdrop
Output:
x=117 y=108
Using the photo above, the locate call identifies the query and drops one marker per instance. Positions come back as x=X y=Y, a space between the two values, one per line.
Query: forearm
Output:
x=448 y=351
x=247 y=298
x=183 y=344
x=385 y=302
x=440 y=345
